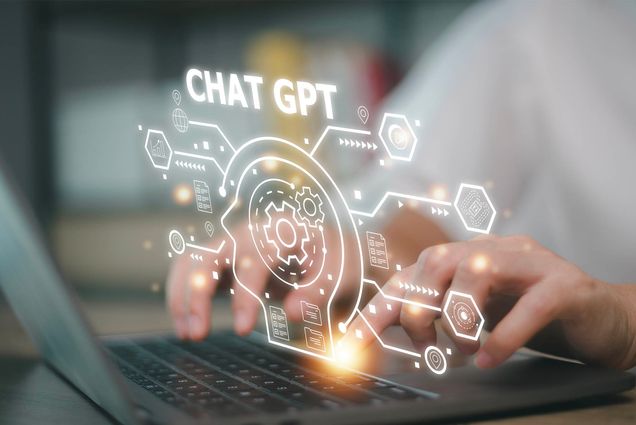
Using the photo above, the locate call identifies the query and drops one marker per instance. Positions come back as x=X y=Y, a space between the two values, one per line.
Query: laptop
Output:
x=157 y=379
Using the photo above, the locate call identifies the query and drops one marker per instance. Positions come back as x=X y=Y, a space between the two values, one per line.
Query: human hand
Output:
x=530 y=296
x=190 y=287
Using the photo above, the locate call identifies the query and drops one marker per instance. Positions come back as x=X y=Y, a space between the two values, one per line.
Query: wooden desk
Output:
x=31 y=394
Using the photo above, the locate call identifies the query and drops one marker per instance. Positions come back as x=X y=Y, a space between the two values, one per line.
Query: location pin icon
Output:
x=436 y=360
x=176 y=96
x=209 y=228
x=363 y=114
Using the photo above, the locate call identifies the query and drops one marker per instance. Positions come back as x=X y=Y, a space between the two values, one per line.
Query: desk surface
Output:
x=31 y=394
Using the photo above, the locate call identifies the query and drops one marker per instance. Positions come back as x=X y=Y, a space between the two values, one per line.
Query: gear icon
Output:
x=309 y=207
x=286 y=233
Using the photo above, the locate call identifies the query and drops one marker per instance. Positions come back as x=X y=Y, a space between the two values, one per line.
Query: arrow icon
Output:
x=439 y=211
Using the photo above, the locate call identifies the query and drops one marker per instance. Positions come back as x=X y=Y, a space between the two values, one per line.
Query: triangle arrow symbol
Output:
x=436 y=293
x=418 y=289
x=430 y=292
x=401 y=285
x=445 y=212
x=360 y=222
x=400 y=204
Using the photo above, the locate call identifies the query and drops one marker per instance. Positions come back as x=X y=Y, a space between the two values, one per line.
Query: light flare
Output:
x=439 y=192
x=347 y=356
x=414 y=310
x=270 y=165
x=246 y=262
x=199 y=280
x=480 y=263
x=182 y=194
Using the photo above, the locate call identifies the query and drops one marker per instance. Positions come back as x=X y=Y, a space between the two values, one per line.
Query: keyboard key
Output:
x=227 y=376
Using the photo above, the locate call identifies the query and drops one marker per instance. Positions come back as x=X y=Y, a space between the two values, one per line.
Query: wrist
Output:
x=625 y=295
x=602 y=323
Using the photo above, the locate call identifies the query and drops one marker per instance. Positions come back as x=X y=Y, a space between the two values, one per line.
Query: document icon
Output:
x=311 y=313
x=279 y=323
x=377 y=250
x=203 y=198
x=315 y=340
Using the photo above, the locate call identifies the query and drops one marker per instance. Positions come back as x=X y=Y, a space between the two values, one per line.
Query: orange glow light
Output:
x=414 y=310
x=480 y=263
x=246 y=262
x=182 y=194
x=270 y=165
x=199 y=280
x=439 y=191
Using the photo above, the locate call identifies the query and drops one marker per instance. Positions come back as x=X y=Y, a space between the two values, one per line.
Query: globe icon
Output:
x=180 y=120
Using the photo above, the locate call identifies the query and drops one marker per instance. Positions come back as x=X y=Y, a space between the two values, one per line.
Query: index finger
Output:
x=381 y=312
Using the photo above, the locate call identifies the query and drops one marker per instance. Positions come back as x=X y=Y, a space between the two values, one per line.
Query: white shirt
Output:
x=538 y=98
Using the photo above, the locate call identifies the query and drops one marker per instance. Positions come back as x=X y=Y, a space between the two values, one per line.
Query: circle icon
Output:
x=180 y=120
x=399 y=137
x=464 y=316
x=177 y=243
x=298 y=248
x=298 y=224
x=435 y=360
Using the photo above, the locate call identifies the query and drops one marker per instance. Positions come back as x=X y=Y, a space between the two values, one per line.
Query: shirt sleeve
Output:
x=473 y=100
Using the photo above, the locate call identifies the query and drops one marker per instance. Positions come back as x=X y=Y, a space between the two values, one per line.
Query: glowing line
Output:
x=333 y=127
x=202 y=248
x=300 y=350
x=325 y=174
x=205 y=124
x=400 y=195
x=340 y=232
x=402 y=300
x=322 y=266
x=387 y=346
x=206 y=158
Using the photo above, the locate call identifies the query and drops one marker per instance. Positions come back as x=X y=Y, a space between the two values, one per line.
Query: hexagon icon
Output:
x=474 y=208
x=463 y=315
x=398 y=136
x=158 y=149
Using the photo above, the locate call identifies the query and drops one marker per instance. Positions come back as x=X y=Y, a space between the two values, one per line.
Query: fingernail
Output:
x=195 y=325
x=242 y=322
x=484 y=360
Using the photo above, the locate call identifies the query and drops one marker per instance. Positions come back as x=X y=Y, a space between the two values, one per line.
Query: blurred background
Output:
x=77 y=79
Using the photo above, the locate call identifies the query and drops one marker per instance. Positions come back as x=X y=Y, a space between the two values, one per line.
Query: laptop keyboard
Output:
x=226 y=376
